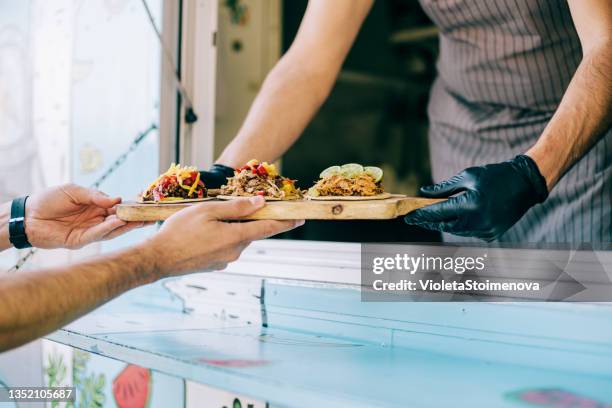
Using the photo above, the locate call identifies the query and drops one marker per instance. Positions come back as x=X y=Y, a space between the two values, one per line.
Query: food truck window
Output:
x=375 y=115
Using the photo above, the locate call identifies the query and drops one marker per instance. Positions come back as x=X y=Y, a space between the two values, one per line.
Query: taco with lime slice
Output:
x=260 y=178
x=351 y=181
x=177 y=184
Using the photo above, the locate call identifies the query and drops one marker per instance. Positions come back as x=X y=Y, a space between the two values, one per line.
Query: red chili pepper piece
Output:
x=260 y=193
x=261 y=170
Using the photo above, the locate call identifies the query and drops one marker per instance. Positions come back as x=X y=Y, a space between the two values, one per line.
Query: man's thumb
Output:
x=237 y=208
x=86 y=196
x=102 y=200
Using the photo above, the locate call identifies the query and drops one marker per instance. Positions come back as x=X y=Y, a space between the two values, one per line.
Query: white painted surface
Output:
x=199 y=77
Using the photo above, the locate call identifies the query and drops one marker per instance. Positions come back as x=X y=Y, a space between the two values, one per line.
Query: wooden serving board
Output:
x=386 y=209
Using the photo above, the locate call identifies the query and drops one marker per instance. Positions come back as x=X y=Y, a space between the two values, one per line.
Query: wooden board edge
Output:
x=403 y=207
x=325 y=210
x=382 y=196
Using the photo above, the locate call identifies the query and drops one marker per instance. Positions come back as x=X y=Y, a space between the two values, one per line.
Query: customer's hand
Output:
x=71 y=216
x=197 y=238
x=492 y=199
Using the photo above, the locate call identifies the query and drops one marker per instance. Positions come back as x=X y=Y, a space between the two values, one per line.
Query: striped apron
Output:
x=502 y=71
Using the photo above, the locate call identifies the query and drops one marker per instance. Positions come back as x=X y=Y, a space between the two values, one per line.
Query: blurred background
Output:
x=78 y=81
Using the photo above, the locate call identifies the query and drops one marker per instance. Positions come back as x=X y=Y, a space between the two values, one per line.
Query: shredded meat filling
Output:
x=246 y=183
x=362 y=185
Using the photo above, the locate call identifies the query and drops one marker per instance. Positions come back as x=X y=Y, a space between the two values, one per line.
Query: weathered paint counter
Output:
x=286 y=326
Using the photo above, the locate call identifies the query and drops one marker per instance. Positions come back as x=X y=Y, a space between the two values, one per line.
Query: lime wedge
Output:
x=375 y=172
x=313 y=192
x=351 y=170
x=330 y=171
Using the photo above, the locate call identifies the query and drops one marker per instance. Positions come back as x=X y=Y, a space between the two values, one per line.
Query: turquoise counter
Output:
x=306 y=343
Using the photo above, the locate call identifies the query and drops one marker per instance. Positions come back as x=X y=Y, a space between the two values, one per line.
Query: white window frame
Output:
x=195 y=23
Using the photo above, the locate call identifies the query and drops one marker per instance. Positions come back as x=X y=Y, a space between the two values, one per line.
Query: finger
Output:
x=82 y=195
x=438 y=226
x=102 y=200
x=445 y=188
x=124 y=229
x=98 y=232
x=439 y=212
x=255 y=230
x=233 y=209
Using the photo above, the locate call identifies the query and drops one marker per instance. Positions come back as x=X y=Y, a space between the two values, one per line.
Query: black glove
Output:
x=216 y=176
x=494 y=197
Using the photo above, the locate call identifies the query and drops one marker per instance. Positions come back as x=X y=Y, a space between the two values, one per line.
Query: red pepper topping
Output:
x=260 y=193
x=261 y=170
x=157 y=195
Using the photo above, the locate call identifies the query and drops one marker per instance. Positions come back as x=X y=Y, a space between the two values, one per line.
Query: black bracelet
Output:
x=17 y=232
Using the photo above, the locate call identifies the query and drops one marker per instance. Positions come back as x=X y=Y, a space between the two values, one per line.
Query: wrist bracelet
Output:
x=17 y=232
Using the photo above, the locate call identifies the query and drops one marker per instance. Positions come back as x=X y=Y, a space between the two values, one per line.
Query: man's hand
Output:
x=493 y=198
x=216 y=176
x=194 y=239
x=71 y=217
x=198 y=239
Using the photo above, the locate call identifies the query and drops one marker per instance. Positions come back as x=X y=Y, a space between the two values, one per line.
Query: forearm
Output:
x=5 y=214
x=297 y=86
x=583 y=116
x=289 y=98
x=35 y=303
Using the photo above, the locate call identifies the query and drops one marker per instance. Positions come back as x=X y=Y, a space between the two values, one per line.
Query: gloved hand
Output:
x=216 y=176
x=494 y=197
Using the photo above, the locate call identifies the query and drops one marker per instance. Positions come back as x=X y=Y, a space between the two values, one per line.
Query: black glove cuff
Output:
x=216 y=176
x=17 y=232
x=226 y=170
x=530 y=170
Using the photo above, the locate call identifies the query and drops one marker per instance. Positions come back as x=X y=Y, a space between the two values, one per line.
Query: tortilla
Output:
x=380 y=196
x=232 y=197
x=185 y=200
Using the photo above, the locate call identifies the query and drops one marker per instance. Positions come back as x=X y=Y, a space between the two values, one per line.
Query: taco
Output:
x=260 y=178
x=177 y=184
x=349 y=182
